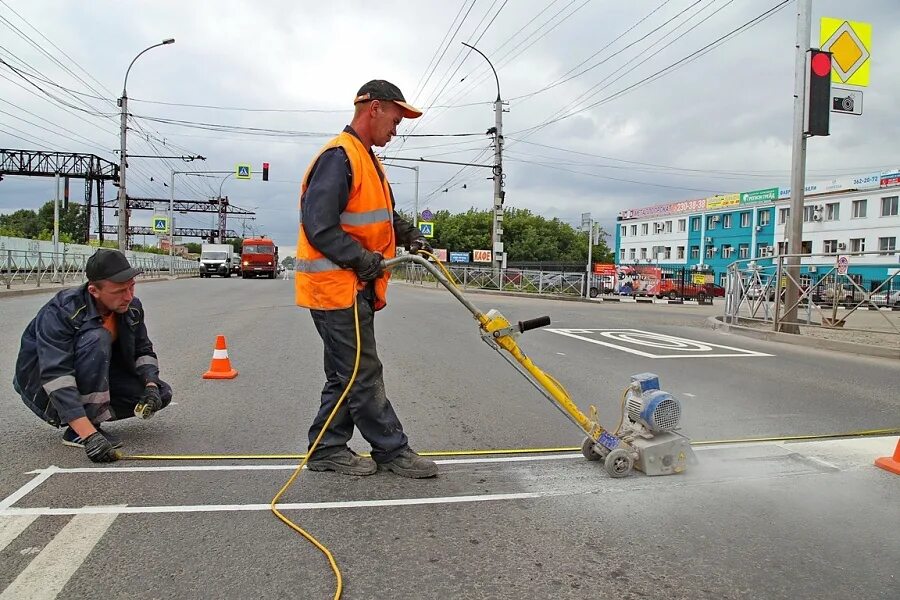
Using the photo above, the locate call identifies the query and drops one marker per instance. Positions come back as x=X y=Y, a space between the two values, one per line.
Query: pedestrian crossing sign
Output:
x=160 y=225
x=242 y=172
x=426 y=228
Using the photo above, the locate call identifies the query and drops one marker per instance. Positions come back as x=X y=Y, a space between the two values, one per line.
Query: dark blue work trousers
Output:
x=366 y=406
x=99 y=372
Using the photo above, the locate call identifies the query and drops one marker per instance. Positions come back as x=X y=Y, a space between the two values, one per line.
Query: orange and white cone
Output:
x=890 y=463
x=220 y=367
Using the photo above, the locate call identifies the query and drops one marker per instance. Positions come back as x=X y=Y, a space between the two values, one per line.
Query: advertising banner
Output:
x=723 y=201
x=459 y=257
x=638 y=281
x=441 y=254
x=604 y=269
x=767 y=195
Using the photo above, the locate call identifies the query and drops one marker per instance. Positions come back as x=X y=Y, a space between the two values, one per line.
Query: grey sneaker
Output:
x=70 y=438
x=410 y=464
x=345 y=462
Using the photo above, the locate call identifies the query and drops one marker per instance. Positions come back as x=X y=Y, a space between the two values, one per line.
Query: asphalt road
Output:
x=759 y=520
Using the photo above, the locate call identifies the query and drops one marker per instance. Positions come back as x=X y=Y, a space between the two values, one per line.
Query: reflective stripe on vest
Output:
x=362 y=218
x=319 y=265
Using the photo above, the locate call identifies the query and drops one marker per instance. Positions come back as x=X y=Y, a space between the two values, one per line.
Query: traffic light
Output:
x=265 y=171
x=818 y=92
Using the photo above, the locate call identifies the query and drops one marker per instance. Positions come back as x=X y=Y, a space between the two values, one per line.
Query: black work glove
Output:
x=150 y=403
x=99 y=450
x=370 y=266
x=420 y=244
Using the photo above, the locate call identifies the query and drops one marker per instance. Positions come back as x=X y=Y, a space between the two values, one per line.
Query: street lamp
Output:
x=416 y=209
x=122 y=230
x=497 y=220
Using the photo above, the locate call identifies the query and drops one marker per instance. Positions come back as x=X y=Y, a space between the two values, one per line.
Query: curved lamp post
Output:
x=122 y=230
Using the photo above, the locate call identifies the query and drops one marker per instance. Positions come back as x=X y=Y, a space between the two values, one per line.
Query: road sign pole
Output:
x=798 y=169
x=171 y=227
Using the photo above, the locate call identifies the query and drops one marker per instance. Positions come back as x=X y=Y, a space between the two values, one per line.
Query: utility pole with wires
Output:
x=499 y=194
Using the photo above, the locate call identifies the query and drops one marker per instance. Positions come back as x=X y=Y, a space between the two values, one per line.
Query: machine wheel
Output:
x=619 y=463
x=594 y=292
x=673 y=295
x=587 y=450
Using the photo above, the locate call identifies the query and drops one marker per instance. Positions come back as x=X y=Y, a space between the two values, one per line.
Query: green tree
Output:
x=237 y=243
x=22 y=223
x=193 y=247
x=73 y=221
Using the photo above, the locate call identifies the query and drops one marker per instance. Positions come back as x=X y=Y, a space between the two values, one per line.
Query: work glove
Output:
x=420 y=244
x=149 y=403
x=370 y=266
x=99 y=450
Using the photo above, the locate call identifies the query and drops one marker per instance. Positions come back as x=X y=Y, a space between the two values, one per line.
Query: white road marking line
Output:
x=131 y=510
x=12 y=527
x=561 y=353
x=288 y=467
x=688 y=395
x=573 y=333
x=40 y=477
x=49 y=571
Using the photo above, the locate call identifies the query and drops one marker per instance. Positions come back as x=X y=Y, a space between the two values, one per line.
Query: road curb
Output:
x=13 y=293
x=808 y=342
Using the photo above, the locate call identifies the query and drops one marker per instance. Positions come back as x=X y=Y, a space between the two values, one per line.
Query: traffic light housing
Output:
x=265 y=171
x=818 y=92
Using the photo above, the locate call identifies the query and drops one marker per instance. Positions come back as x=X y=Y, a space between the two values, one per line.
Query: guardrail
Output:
x=25 y=267
x=512 y=280
x=832 y=293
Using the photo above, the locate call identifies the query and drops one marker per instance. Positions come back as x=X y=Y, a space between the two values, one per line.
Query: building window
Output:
x=745 y=219
x=726 y=221
x=643 y=253
x=833 y=211
x=806 y=247
x=727 y=251
x=667 y=254
x=889 y=206
x=682 y=225
x=668 y=226
x=783 y=214
x=764 y=216
x=830 y=246
x=857 y=244
x=711 y=222
x=859 y=209
x=782 y=247
x=723 y=279
x=887 y=245
x=644 y=228
x=631 y=254
x=695 y=223
x=710 y=251
x=634 y=230
x=695 y=252
x=809 y=213
x=624 y=230
x=743 y=250
x=761 y=249
x=679 y=253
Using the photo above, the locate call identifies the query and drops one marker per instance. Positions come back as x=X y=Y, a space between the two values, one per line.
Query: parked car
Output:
x=887 y=298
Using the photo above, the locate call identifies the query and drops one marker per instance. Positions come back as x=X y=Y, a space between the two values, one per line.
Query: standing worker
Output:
x=348 y=226
x=86 y=359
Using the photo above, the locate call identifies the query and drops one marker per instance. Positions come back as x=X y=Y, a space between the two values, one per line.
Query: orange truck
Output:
x=259 y=257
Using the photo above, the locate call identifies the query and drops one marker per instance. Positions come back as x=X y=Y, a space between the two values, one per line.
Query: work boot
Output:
x=345 y=462
x=410 y=464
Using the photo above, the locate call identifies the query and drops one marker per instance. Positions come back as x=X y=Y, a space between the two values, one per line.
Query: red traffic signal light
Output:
x=266 y=167
x=818 y=93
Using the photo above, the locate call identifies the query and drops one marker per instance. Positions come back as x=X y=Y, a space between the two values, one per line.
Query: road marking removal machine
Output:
x=646 y=437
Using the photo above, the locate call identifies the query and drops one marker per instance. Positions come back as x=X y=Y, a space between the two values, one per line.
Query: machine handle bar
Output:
x=533 y=324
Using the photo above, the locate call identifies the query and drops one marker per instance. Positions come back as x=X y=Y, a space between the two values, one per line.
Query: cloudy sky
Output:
x=586 y=130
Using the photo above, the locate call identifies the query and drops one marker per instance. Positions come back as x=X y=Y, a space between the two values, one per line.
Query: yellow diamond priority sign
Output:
x=849 y=43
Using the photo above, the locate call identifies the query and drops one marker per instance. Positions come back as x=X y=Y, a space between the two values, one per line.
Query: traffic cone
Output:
x=890 y=463
x=220 y=367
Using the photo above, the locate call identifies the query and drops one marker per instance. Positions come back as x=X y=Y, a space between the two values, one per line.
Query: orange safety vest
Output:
x=318 y=282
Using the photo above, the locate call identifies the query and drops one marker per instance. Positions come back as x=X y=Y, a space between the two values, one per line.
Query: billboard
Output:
x=459 y=257
x=482 y=256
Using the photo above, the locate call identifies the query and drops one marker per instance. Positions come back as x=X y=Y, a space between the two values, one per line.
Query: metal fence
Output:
x=513 y=280
x=25 y=267
x=832 y=293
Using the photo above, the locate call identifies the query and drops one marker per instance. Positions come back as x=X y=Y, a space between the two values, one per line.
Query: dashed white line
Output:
x=12 y=527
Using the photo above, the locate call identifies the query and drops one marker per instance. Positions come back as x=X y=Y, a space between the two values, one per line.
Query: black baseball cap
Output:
x=379 y=89
x=109 y=265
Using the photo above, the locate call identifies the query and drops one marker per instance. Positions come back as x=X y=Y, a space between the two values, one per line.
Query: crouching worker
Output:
x=86 y=359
